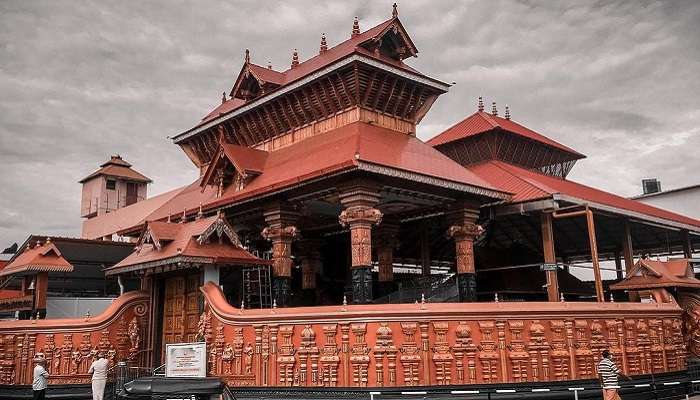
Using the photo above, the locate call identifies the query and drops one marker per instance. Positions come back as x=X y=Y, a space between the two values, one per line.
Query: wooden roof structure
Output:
x=44 y=257
x=117 y=167
x=650 y=274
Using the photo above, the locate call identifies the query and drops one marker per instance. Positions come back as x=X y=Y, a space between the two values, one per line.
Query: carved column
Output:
x=281 y=232
x=386 y=240
x=310 y=265
x=359 y=215
x=463 y=230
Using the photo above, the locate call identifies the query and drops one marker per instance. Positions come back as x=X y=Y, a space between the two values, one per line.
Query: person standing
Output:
x=98 y=369
x=41 y=377
x=608 y=374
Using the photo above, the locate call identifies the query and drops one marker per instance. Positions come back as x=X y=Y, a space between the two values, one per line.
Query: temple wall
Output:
x=69 y=345
x=436 y=344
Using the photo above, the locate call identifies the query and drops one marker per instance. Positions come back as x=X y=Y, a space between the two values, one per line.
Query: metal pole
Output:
x=575 y=394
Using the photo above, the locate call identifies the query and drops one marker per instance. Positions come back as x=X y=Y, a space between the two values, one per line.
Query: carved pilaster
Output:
x=281 y=232
x=463 y=230
x=359 y=216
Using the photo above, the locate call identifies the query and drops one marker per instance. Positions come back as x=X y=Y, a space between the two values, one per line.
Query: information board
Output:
x=186 y=360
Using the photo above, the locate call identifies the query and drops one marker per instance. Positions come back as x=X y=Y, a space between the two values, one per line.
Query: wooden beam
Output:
x=379 y=91
x=324 y=110
x=391 y=93
x=370 y=85
x=627 y=249
x=549 y=256
x=600 y=296
x=348 y=95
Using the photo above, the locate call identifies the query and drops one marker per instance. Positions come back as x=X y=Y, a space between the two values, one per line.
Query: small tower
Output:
x=355 y=27
x=295 y=58
x=114 y=185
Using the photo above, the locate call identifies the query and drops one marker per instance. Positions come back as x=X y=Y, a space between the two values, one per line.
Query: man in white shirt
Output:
x=41 y=377
x=98 y=369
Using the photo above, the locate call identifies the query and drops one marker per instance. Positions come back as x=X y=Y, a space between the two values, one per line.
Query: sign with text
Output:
x=186 y=360
x=548 y=267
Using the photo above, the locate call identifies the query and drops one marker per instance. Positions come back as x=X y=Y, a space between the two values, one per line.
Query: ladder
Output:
x=257 y=286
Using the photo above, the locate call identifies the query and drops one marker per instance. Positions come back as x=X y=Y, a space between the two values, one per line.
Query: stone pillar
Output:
x=386 y=240
x=359 y=215
x=463 y=230
x=281 y=231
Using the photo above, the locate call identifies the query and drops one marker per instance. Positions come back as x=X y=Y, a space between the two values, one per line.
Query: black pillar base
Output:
x=466 y=285
x=281 y=286
x=362 y=285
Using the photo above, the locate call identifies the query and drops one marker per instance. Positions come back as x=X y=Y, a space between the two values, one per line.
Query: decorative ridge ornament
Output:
x=507 y=113
x=247 y=56
x=295 y=58
x=184 y=216
x=481 y=104
x=395 y=11
x=324 y=46
x=223 y=98
x=355 y=27
x=269 y=65
x=494 y=111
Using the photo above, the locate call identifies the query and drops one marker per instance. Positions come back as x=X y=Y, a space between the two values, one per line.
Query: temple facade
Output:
x=325 y=246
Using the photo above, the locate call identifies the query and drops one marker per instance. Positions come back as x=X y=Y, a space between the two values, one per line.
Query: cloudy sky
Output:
x=618 y=81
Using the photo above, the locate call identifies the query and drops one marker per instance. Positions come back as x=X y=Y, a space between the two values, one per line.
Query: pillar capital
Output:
x=281 y=231
x=468 y=230
x=360 y=215
x=277 y=233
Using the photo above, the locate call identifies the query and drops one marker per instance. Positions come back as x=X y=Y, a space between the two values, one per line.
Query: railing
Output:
x=121 y=374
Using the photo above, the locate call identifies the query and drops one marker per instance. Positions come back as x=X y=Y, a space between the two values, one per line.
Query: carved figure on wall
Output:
x=248 y=352
x=237 y=351
x=134 y=338
x=49 y=350
x=584 y=355
x=226 y=359
x=488 y=354
x=66 y=351
x=410 y=354
x=538 y=349
x=85 y=354
x=465 y=354
x=359 y=358
x=385 y=350
x=518 y=356
x=329 y=356
x=560 y=352
x=76 y=358
x=442 y=358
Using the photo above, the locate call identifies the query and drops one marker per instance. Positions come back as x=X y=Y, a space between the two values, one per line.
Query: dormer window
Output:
x=111 y=184
x=233 y=167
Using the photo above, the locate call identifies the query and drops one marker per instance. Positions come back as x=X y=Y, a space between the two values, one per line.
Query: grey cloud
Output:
x=615 y=80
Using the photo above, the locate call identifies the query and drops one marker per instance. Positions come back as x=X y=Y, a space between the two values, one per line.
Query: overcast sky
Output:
x=618 y=81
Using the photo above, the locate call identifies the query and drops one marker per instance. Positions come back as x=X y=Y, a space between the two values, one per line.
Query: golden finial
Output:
x=324 y=46
x=494 y=111
x=247 y=56
x=355 y=27
x=481 y=104
x=507 y=113
x=395 y=11
x=295 y=58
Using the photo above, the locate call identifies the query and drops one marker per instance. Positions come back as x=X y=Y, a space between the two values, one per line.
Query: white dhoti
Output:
x=98 y=389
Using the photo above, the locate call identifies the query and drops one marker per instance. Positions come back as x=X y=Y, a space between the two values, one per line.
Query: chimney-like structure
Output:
x=113 y=186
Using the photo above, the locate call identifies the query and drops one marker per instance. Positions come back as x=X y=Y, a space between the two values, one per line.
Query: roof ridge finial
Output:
x=355 y=27
x=481 y=104
x=269 y=65
x=247 y=56
x=48 y=240
x=223 y=98
x=295 y=58
x=494 y=110
x=38 y=243
x=184 y=215
x=507 y=113
x=200 y=214
x=324 y=46
x=395 y=11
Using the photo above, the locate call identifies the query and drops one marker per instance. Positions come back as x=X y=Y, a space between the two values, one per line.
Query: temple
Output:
x=325 y=246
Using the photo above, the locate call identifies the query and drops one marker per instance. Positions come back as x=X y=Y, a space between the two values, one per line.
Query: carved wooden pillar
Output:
x=281 y=232
x=41 y=287
x=463 y=230
x=549 y=256
x=386 y=239
x=359 y=215
x=310 y=265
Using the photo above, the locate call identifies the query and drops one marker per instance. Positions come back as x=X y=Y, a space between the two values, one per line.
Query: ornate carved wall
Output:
x=436 y=344
x=70 y=345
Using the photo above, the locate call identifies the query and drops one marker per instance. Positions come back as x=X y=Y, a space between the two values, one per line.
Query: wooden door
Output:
x=131 y=193
x=180 y=309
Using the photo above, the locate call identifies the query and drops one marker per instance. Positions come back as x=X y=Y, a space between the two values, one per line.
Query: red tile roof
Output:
x=527 y=185
x=317 y=62
x=41 y=258
x=338 y=150
x=186 y=241
x=118 y=167
x=482 y=122
x=245 y=159
x=127 y=217
x=649 y=274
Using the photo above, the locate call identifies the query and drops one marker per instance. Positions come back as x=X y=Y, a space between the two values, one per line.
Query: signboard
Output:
x=548 y=267
x=186 y=360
